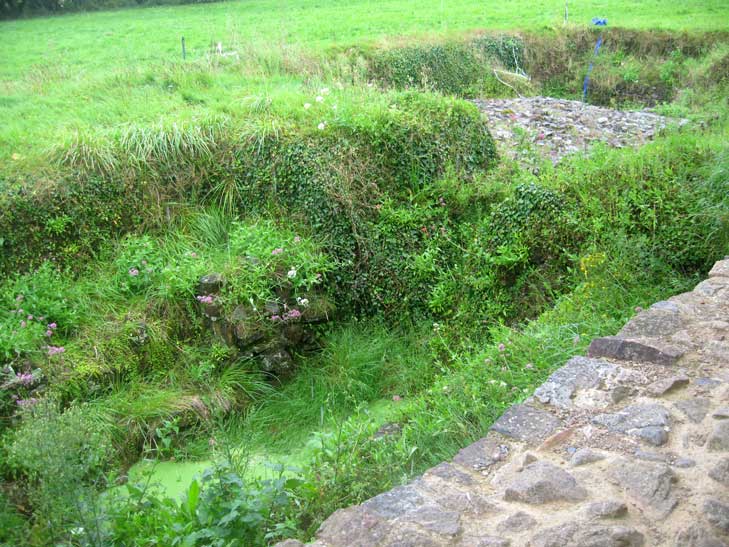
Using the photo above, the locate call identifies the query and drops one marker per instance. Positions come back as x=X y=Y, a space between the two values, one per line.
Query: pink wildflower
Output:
x=52 y=326
x=293 y=314
x=55 y=350
x=133 y=272
x=22 y=324
x=30 y=318
x=502 y=348
x=24 y=378
x=277 y=251
x=207 y=299
x=49 y=333
x=297 y=239
x=275 y=318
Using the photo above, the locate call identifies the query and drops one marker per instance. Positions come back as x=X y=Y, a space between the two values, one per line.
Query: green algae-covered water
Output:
x=173 y=478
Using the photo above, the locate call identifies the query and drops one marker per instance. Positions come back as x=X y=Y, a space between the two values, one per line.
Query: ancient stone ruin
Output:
x=626 y=447
x=270 y=335
x=555 y=128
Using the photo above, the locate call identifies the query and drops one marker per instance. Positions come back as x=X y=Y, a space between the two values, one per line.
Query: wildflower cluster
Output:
x=289 y=315
x=17 y=389
x=206 y=299
x=24 y=378
x=22 y=331
x=55 y=350
x=320 y=99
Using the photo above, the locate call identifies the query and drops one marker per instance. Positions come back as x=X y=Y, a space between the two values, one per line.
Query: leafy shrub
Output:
x=223 y=509
x=453 y=68
x=62 y=457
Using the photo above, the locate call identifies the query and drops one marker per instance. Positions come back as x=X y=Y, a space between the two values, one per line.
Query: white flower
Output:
x=307 y=106
x=292 y=273
x=319 y=99
x=321 y=126
x=303 y=302
x=334 y=107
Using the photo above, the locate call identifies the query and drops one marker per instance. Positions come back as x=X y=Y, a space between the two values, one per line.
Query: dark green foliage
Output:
x=223 y=509
x=451 y=68
x=65 y=220
x=633 y=66
x=667 y=192
x=399 y=211
x=23 y=8
x=12 y=524
x=62 y=459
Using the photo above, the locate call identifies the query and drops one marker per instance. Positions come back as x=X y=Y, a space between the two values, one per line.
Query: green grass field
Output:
x=91 y=71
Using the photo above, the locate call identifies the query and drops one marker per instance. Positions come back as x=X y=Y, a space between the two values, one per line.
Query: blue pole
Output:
x=598 y=22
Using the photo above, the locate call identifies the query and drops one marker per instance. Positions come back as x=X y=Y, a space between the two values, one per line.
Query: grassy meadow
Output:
x=94 y=71
x=242 y=291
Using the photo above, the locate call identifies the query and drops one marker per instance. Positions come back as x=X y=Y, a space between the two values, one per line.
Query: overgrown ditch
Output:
x=219 y=290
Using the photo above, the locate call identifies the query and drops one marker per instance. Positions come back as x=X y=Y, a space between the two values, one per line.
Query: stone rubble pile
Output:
x=627 y=447
x=557 y=127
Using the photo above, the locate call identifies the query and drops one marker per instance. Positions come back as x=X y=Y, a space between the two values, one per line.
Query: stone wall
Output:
x=626 y=447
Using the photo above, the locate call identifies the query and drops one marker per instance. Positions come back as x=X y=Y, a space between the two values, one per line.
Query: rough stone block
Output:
x=578 y=373
x=544 y=482
x=717 y=513
x=697 y=535
x=719 y=438
x=354 y=527
x=640 y=351
x=648 y=422
x=694 y=409
x=720 y=472
x=482 y=454
x=583 y=456
x=396 y=502
x=666 y=385
x=611 y=509
x=526 y=423
x=653 y=322
x=650 y=484
x=518 y=522
x=720 y=269
x=588 y=535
